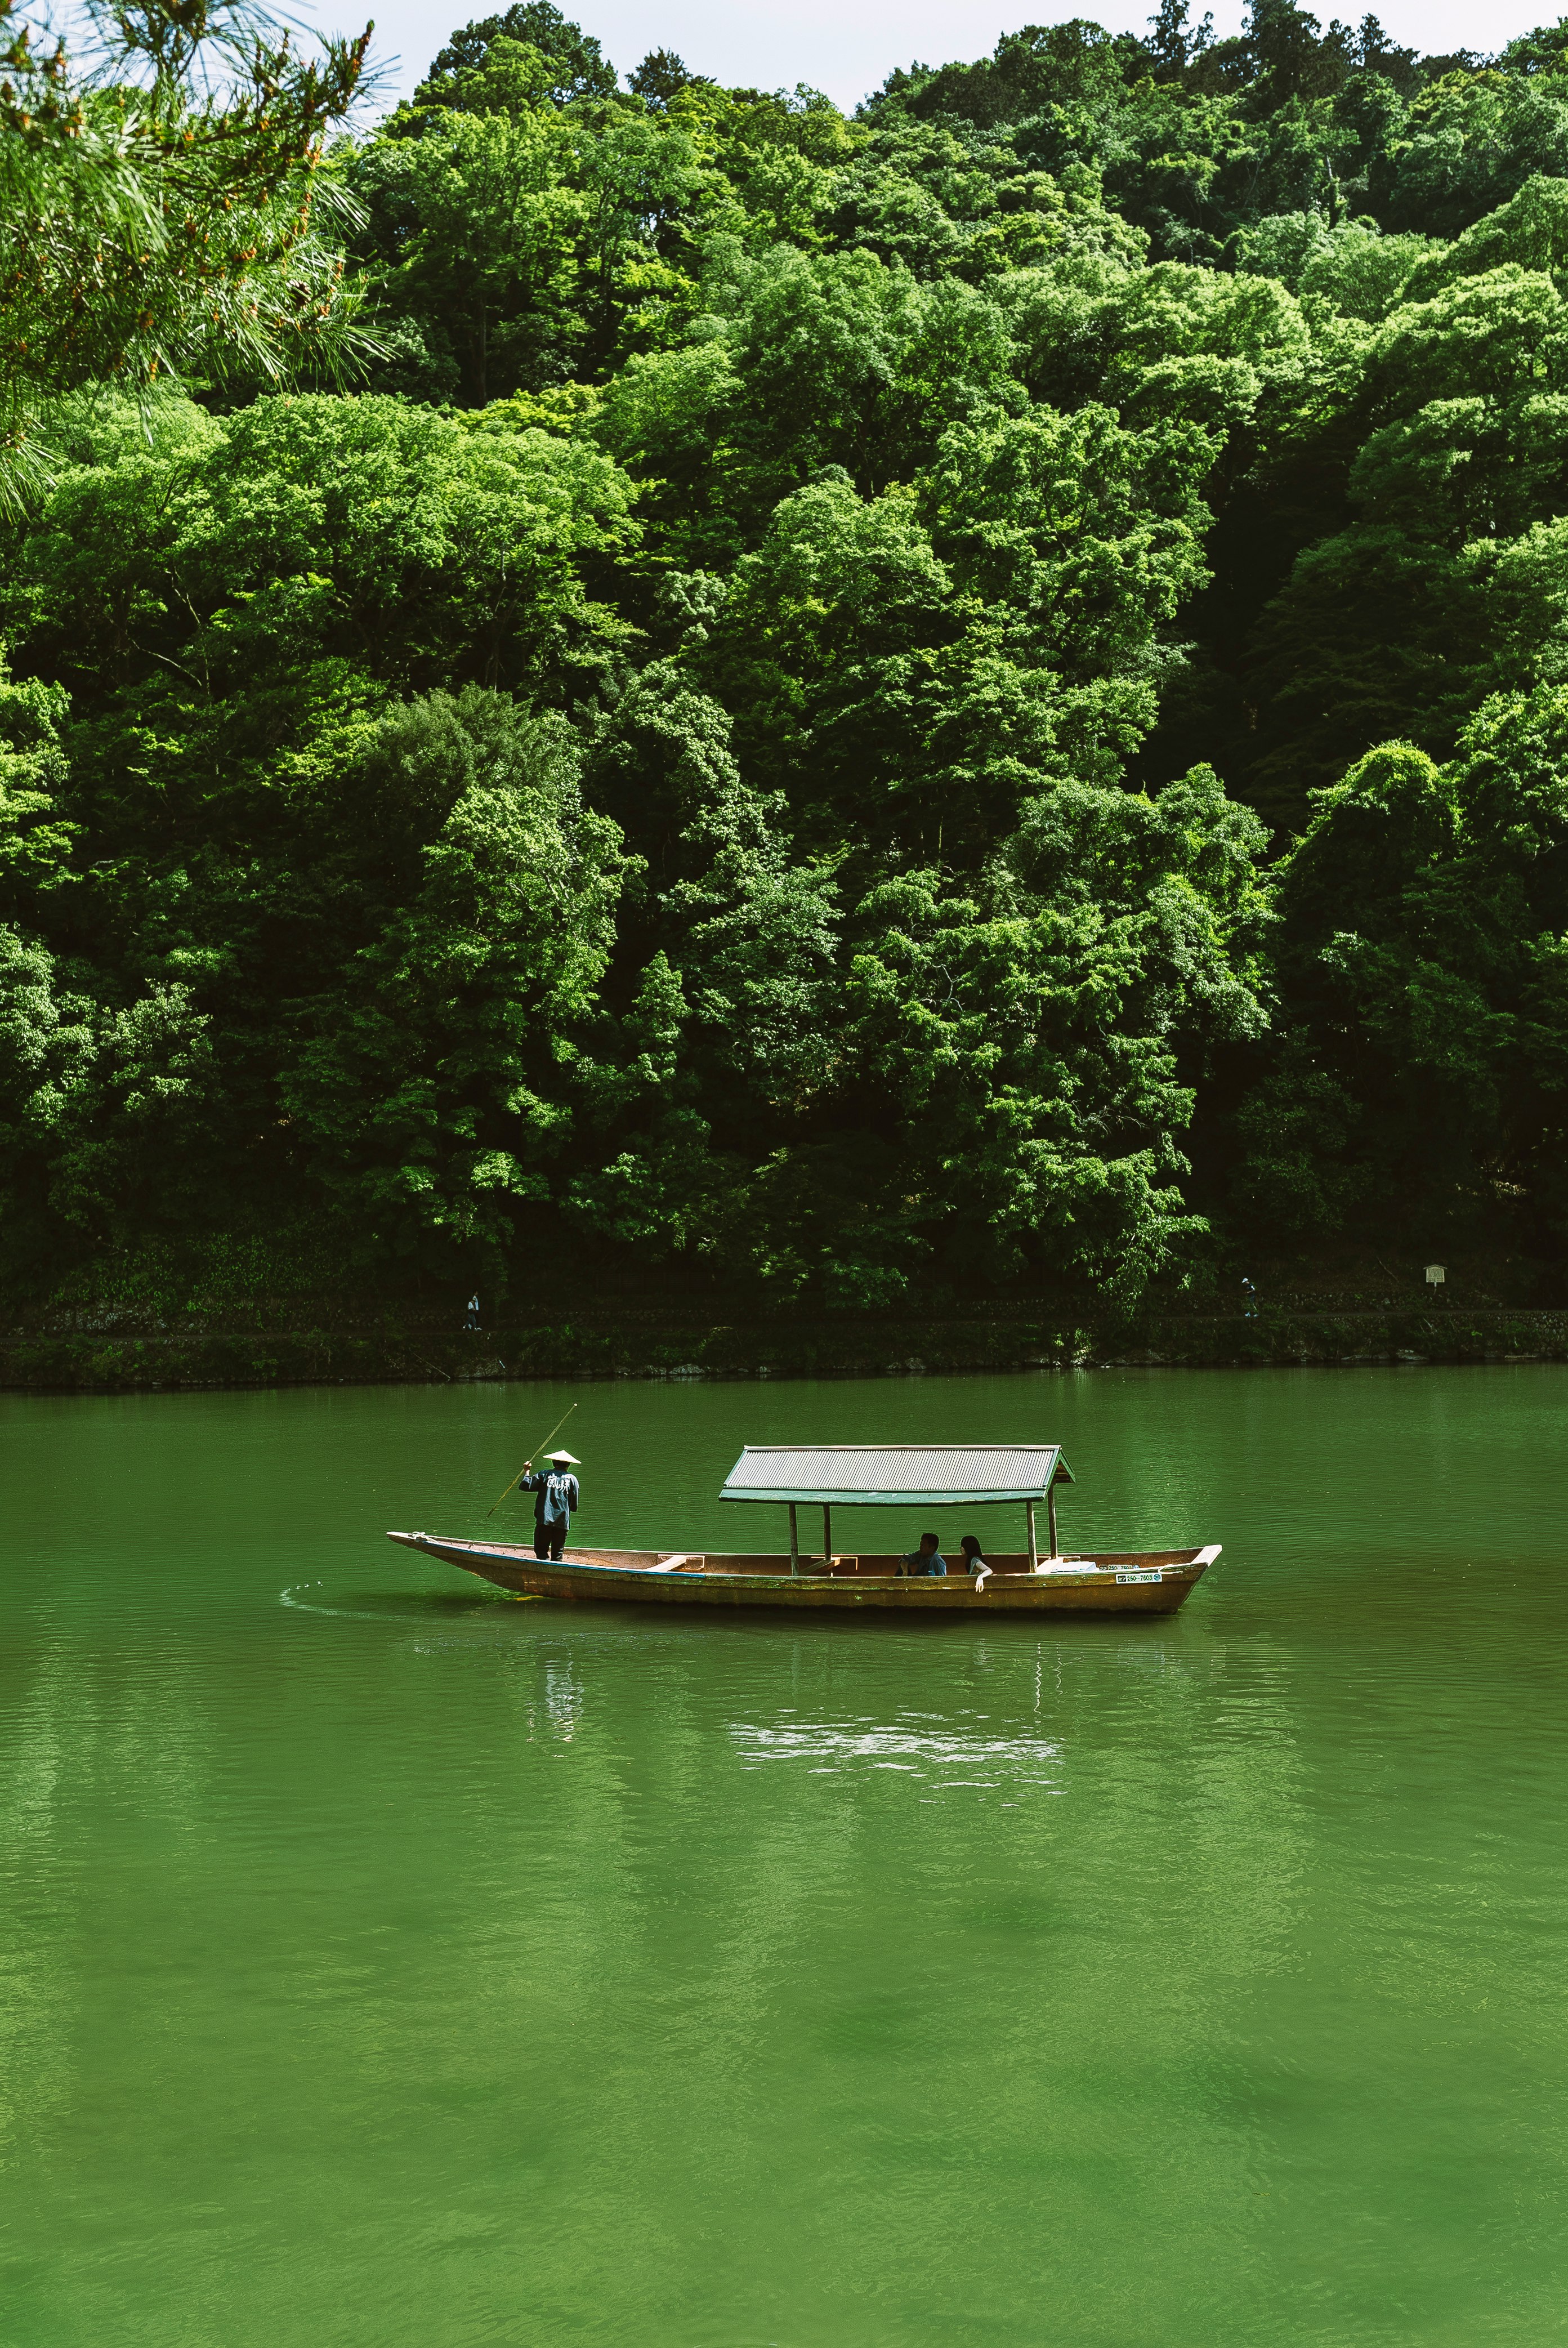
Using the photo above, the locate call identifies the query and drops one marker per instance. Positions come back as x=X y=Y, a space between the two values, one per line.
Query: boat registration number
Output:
x=1152 y=1575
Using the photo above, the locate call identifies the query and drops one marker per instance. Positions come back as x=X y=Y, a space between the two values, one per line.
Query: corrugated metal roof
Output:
x=891 y=1474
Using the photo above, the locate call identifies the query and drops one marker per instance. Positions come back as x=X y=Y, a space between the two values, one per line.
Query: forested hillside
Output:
x=967 y=699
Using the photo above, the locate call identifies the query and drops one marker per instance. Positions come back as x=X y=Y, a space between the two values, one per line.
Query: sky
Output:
x=847 y=48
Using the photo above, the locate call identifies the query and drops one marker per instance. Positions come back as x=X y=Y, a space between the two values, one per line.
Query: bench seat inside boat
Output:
x=846 y=1565
x=870 y=1566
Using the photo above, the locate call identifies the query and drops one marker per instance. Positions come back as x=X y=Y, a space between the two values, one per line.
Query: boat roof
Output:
x=896 y=1474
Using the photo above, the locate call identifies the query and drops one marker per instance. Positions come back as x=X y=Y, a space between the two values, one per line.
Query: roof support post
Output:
x=1052 y=1513
x=827 y=1537
x=1034 y=1545
x=794 y=1542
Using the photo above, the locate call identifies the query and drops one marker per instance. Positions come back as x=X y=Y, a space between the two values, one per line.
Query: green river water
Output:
x=388 y=1963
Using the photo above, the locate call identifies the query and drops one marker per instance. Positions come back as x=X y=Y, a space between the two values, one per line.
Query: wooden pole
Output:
x=1034 y=1548
x=1051 y=1512
x=533 y=1456
x=794 y=1542
x=826 y=1534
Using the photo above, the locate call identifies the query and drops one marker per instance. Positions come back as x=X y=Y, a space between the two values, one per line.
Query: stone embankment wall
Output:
x=645 y=1344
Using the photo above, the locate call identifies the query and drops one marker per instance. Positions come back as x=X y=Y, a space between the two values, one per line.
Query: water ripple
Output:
x=832 y=1744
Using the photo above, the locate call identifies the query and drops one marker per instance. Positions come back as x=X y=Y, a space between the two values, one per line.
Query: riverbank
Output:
x=645 y=1344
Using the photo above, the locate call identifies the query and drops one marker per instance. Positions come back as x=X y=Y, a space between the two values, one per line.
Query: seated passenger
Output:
x=926 y=1558
x=974 y=1557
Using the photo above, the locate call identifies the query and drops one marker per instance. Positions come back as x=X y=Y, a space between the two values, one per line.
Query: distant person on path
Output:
x=473 y=1320
x=926 y=1558
x=556 y=1499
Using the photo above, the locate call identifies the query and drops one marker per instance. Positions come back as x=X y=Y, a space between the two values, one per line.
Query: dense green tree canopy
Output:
x=850 y=707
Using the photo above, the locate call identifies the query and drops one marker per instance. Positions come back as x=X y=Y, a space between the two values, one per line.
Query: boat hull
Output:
x=1164 y=1580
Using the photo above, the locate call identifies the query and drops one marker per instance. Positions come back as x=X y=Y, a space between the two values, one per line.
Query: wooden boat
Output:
x=928 y=1477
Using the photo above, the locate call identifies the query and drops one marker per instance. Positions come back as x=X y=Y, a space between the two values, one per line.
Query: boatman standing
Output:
x=555 y=1498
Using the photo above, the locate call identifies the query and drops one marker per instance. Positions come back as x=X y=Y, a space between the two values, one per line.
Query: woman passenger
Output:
x=974 y=1560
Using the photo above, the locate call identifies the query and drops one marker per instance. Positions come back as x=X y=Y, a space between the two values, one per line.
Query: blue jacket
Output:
x=555 y=1496
x=916 y=1563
